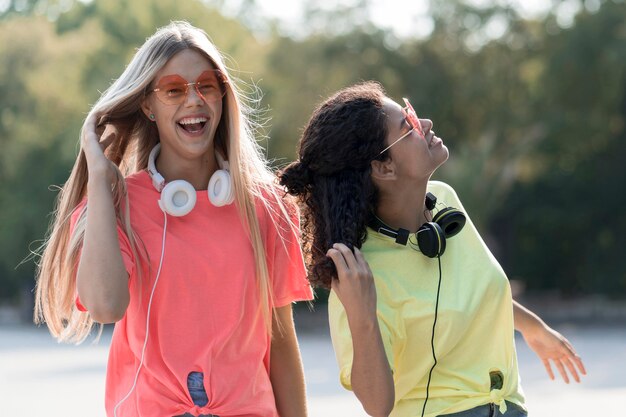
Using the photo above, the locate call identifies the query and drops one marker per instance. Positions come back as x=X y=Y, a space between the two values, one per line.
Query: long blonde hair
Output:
x=119 y=106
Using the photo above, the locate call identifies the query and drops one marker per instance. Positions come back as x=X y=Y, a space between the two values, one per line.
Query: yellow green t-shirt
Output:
x=474 y=335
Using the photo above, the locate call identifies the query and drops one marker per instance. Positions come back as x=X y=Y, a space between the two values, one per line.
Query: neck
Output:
x=404 y=208
x=197 y=172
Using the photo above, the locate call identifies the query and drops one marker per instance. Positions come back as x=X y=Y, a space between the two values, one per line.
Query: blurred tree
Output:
x=493 y=60
x=299 y=74
x=568 y=230
x=534 y=113
x=42 y=103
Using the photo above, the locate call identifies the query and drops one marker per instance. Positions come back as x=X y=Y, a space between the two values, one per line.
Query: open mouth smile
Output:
x=193 y=125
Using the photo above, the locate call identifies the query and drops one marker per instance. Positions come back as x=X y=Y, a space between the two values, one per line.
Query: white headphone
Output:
x=178 y=197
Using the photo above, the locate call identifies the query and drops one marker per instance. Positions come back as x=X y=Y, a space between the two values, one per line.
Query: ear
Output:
x=383 y=170
x=146 y=107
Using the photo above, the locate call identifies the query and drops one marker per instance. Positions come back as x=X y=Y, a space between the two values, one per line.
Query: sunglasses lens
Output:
x=171 y=89
x=412 y=117
x=172 y=93
x=209 y=86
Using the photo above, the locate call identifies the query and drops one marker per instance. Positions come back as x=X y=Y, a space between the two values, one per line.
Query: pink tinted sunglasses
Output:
x=412 y=120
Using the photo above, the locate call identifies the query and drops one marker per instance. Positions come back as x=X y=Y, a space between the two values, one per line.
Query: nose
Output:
x=193 y=97
x=426 y=124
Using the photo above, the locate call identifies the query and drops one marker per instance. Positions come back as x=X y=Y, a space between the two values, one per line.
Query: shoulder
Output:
x=139 y=179
x=278 y=213
x=140 y=190
x=275 y=202
x=444 y=192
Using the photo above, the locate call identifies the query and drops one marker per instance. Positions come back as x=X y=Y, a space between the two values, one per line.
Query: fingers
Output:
x=568 y=363
x=546 y=364
x=572 y=370
x=347 y=255
x=355 y=285
x=90 y=128
x=361 y=259
x=561 y=365
x=561 y=368
x=573 y=356
x=573 y=362
x=102 y=135
x=338 y=260
x=108 y=136
x=579 y=364
x=348 y=263
x=91 y=120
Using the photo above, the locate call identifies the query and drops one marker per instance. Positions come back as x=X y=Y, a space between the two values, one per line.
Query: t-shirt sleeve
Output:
x=127 y=254
x=342 y=339
x=285 y=261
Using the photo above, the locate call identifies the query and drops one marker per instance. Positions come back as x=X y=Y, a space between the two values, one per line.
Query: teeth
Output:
x=192 y=120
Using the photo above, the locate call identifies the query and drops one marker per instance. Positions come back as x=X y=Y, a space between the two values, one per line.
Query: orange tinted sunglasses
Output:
x=173 y=89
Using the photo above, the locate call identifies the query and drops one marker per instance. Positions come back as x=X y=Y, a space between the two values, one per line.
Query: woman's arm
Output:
x=286 y=371
x=371 y=376
x=548 y=344
x=101 y=279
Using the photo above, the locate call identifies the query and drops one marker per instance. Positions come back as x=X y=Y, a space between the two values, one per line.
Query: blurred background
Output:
x=529 y=96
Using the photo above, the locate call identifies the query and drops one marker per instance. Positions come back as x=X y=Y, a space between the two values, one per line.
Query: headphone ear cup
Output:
x=431 y=240
x=221 y=190
x=450 y=220
x=177 y=198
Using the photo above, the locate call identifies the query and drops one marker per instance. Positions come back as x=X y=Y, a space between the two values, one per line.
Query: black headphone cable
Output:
x=432 y=338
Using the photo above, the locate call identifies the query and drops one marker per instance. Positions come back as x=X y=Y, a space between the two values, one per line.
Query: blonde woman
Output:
x=171 y=227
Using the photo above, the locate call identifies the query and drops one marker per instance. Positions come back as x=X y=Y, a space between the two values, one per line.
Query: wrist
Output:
x=99 y=176
x=531 y=326
x=363 y=324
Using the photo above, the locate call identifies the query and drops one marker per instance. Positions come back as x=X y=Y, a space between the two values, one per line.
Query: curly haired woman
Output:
x=422 y=332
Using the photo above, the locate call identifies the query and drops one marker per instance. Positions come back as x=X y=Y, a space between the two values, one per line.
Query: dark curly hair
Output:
x=331 y=177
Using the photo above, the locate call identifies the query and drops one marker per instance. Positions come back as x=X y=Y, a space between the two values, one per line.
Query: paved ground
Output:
x=40 y=377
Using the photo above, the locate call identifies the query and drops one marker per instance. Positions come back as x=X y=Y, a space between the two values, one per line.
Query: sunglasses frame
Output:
x=413 y=121
x=222 y=80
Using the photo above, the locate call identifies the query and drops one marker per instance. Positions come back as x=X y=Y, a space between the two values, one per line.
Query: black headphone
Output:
x=431 y=236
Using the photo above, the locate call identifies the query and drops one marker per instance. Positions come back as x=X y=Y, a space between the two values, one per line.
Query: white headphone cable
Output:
x=145 y=342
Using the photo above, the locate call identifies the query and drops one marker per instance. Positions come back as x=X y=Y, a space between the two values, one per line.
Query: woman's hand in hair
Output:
x=95 y=140
x=355 y=284
x=370 y=376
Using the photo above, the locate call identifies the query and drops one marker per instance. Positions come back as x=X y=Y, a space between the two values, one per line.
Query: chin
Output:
x=444 y=155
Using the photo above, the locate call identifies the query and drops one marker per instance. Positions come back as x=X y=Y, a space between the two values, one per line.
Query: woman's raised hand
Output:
x=95 y=140
x=355 y=287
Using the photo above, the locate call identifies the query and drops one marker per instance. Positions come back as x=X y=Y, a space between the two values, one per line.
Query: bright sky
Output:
x=410 y=17
x=406 y=18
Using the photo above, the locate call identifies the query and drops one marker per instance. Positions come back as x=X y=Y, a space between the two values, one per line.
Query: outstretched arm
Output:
x=548 y=344
x=371 y=376
x=286 y=371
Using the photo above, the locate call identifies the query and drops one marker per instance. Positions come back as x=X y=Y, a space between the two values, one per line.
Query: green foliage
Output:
x=534 y=115
x=40 y=112
x=567 y=230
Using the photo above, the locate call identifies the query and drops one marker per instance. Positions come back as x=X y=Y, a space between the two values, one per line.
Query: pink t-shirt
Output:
x=204 y=310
